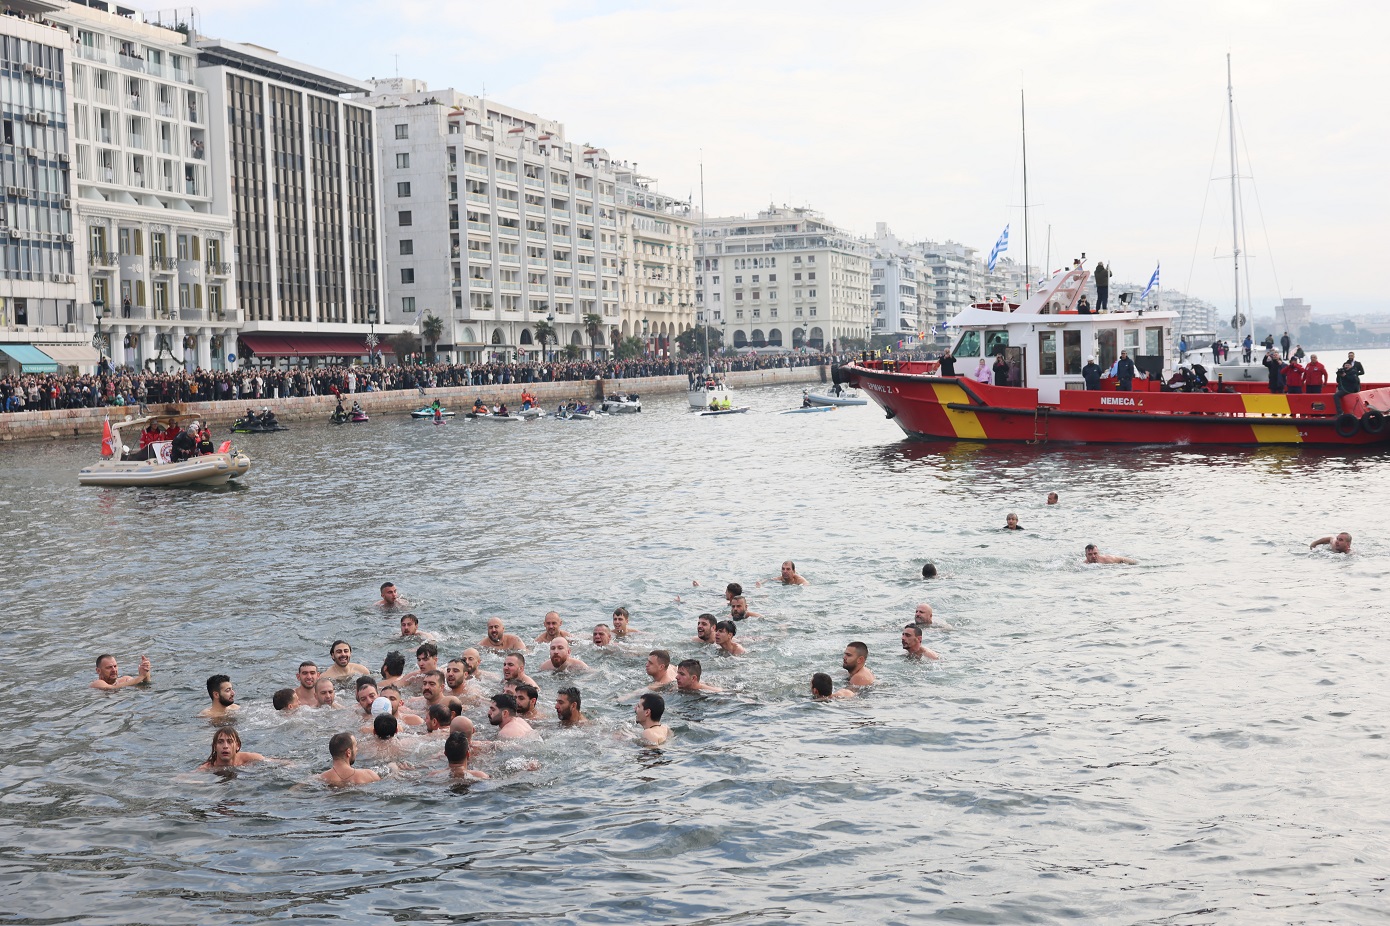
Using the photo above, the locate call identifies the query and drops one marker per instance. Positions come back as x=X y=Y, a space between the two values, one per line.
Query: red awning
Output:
x=310 y=345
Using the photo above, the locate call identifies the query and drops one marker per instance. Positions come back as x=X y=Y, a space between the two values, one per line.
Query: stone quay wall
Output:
x=86 y=422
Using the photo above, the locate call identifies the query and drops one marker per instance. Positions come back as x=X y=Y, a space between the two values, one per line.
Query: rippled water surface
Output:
x=1196 y=739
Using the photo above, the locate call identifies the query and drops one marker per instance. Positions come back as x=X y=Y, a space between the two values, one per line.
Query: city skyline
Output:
x=911 y=116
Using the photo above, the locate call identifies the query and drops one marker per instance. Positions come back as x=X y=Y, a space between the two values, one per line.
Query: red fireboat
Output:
x=1047 y=400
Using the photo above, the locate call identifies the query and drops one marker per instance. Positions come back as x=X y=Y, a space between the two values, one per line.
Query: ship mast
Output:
x=1235 y=195
x=1027 y=269
x=705 y=310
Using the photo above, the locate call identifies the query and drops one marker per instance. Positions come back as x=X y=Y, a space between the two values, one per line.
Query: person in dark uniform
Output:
x=1348 y=382
x=186 y=444
x=1091 y=374
x=1286 y=342
x=1124 y=372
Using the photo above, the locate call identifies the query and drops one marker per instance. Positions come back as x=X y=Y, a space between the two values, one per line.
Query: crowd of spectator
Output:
x=125 y=386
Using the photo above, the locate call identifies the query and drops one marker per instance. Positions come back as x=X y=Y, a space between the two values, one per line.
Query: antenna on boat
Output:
x=1235 y=194
x=1027 y=268
x=704 y=335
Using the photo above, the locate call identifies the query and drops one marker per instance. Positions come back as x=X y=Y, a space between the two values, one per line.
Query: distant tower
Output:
x=1293 y=315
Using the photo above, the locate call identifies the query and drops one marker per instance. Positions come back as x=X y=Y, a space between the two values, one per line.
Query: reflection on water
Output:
x=1096 y=742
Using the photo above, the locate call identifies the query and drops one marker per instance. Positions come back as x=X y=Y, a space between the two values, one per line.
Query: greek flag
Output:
x=1153 y=281
x=1000 y=247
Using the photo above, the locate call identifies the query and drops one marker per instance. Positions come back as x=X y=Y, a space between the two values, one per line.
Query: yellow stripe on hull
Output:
x=966 y=424
x=1277 y=433
x=1266 y=405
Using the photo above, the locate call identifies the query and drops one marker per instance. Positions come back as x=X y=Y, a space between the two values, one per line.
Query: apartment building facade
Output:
x=657 y=263
x=301 y=189
x=783 y=279
x=39 y=298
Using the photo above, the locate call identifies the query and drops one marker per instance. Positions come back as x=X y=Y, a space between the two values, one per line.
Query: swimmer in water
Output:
x=568 y=702
x=1339 y=544
x=704 y=628
x=410 y=629
x=602 y=636
x=823 y=689
x=552 y=628
x=456 y=754
x=391 y=598
x=929 y=571
x=922 y=617
x=912 y=644
x=223 y=698
x=1011 y=523
x=431 y=689
x=527 y=697
x=109 y=676
x=561 y=660
x=403 y=716
x=472 y=661
x=514 y=669
x=855 y=657
x=343 y=666
x=1052 y=498
x=366 y=695
x=342 y=748
x=325 y=695
x=456 y=678
x=438 y=718
x=308 y=676
x=284 y=700
x=688 y=677
x=789 y=575
x=1093 y=555
x=738 y=609
x=226 y=752
x=659 y=669
x=648 y=711
x=502 y=714
x=392 y=668
x=621 y=626
x=498 y=640
x=724 y=633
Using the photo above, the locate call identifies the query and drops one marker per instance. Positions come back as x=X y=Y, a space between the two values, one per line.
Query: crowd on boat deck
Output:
x=125 y=386
x=184 y=443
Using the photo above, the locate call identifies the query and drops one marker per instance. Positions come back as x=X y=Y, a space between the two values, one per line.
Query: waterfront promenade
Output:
x=79 y=422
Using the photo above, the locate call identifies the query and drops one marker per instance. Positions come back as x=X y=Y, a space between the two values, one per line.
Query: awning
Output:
x=29 y=358
x=76 y=354
x=310 y=345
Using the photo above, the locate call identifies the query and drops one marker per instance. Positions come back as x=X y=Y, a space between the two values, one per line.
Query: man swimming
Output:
x=366 y=695
x=855 y=657
x=456 y=754
x=325 y=695
x=912 y=643
x=343 y=666
x=724 y=632
x=602 y=636
x=109 y=676
x=552 y=630
x=472 y=662
x=514 y=669
x=456 y=678
x=390 y=597
x=823 y=689
x=498 y=640
x=308 y=676
x=688 y=674
x=223 y=698
x=923 y=618
x=431 y=689
x=1093 y=555
x=1011 y=522
x=226 y=752
x=527 y=697
x=789 y=575
x=738 y=609
x=704 y=628
x=392 y=668
x=568 y=702
x=648 y=711
x=659 y=669
x=621 y=625
x=403 y=715
x=1338 y=544
x=342 y=749
x=502 y=714
x=1052 y=498
x=561 y=660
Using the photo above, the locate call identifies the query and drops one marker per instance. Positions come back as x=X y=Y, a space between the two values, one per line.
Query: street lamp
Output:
x=371 y=335
x=646 y=338
x=98 y=339
x=550 y=320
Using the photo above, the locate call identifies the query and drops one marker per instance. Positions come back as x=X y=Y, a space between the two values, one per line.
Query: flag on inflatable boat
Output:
x=1153 y=281
x=1000 y=247
x=108 y=439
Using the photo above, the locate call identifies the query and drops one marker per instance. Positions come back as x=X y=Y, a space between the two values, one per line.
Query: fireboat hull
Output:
x=950 y=408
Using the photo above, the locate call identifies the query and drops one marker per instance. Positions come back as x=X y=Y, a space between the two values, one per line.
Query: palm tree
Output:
x=593 y=326
x=431 y=330
x=545 y=332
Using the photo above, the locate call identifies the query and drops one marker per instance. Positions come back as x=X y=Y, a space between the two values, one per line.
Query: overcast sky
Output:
x=908 y=113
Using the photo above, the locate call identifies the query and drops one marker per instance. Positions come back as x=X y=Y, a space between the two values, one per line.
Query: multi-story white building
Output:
x=783 y=279
x=152 y=245
x=958 y=277
x=496 y=223
x=899 y=289
x=301 y=188
x=39 y=298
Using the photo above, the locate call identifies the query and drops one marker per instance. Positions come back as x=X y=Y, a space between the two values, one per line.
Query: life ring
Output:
x=1346 y=425
x=1372 y=421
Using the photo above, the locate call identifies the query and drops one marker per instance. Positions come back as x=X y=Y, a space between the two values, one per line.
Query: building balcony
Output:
x=509 y=259
x=510 y=230
x=511 y=287
x=506 y=176
x=475 y=169
x=535 y=183
x=535 y=235
x=479 y=198
x=533 y=209
x=508 y=204
x=535 y=261
x=220 y=268
x=102 y=258
x=473 y=226
x=131 y=62
x=564 y=290
x=562 y=239
x=484 y=257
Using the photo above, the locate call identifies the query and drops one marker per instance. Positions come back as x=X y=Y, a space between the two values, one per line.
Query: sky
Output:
x=909 y=113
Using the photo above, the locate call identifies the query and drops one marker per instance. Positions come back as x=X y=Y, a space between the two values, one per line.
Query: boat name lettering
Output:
x=1116 y=400
x=878 y=388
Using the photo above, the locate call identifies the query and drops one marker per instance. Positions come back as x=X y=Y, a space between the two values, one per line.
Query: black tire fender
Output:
x=1346 y=425
x=1372 y=421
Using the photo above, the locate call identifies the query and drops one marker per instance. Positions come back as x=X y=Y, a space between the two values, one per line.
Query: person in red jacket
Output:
x=1314 y=376
x=1293 y=377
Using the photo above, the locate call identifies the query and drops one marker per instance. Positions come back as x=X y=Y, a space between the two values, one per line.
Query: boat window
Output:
x=1047 y=353
x=1071 y=352
x=996 y=342
x=1153 y=342
x=1105 y=341
x=968 y=345
x=1132 y=341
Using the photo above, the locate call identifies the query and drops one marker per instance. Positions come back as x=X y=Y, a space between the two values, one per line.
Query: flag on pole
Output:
x=1000 y=247
x=1153 y=281
x=108 y=440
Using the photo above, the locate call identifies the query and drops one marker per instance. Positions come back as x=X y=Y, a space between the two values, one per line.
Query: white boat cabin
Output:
x=1046 y=340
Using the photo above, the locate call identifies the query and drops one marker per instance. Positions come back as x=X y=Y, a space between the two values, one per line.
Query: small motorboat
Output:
x=622 y=402
x=254 y=423
x=493 y=417
x=154 y=465
x=428 y=412
x=575 y=411
x=834 y=400
x=358 y=416
x=806 y=410
x=530 y=413
x=738 y=410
